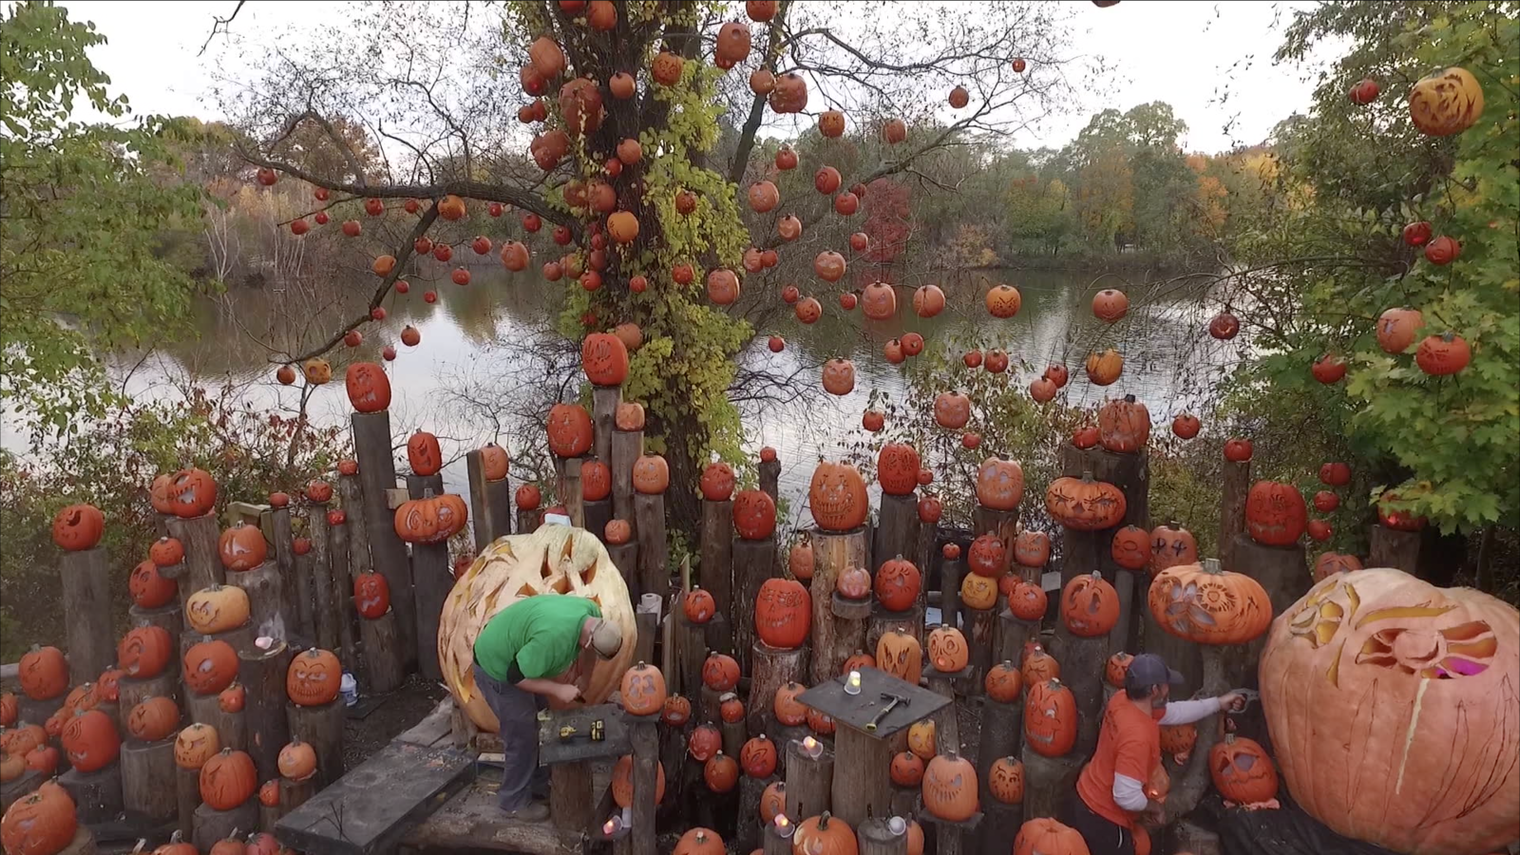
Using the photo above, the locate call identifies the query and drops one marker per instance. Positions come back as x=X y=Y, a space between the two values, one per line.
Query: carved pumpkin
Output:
x=704 y=743
x=1242 y=771
x=720 y=672
x=930 y=509
x=987 y=556
x=878 y=301
x=1050 y=718
x=1275 y=513
x=1171 y=545
x=698 y=606
x=1209 y=605
x=948 y=650
x=297 y=760
x=596 y=481
x=269 y=794
x=528 y=497
x=242 y=547
x=629 y=416
x=1178 y=740
x=1446 y=103
x=643 y=690
x=9 y=709
x=839 y=376
x=1084 y=504
x=897 y=584
x=758 y=757
x=754 y=515
x=42 y=823
x=730 y=708
x=858 y=660
x=423 y=453
x=1004 y=683
x=166 y=552
x=1110 y=305
x=677 y=711
x=1443 y=355
x=1420 y=681
x=43 y=758
x=1085 y=437
x=978 y=591
x=783 y=613
x=232 y=699
x=313 y=678
x=837 y=497
x=617 y=532
x=1397 y=328
x=1330 y=563
x=143 y=653
x=950 y=787
x=901 y=655
x=1004 y=301
x=319 y=491
x=1045 y=836
x=218 y=608
x=21 y=740
x=1131 y=548
x=1224 y=326
x=997 y=361
x=195 y=745
x=1005 y=780
x=368 y=387
x=372 y=595
x=907 y=769
x=430 y=519
x=1031 y=548
x=622 y=782
x=228 y=780
x=1124 y=425
x=78 y=527
x=1000 y=484
x=651 y=474
x=1039 y=666
x=149 y=588
x=604 y=358
x=717 y=483
x=192 y=493
x=921 y=739
x=897 y=468
x=808 y=310
x=570 y=430
x=789 y=711
x=824 y=834
x=952 y=410
x=1089 y=606
x=1104 y=368
x=210 y=666
x=553 y=561
x=1116 y=668
x=854 y=584
x=1237 y=450
x=1028 y=601
x=90 y=741
x=153 y=719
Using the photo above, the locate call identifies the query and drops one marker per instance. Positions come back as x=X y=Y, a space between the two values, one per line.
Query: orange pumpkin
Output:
x=622 y=782
x=987 y=556
x=629 y=416
x=948 y=650
x=1004 y=301
x=1116 y=668
x=950 y=787
x=754 y=515
x=218 y=608
x=839 y=376
x=897 y=584
x=1050 y=718
x=907 y=769
x=837 y=497
x=921 y=739
x=1045 y=836
x=1110 y=305
x=783 y=613
x=1004 y=683
x=297 y=760
x=730 y=708
x=717 y=482
x=90 y=741
x=978 y=591
x=1209 y=605
x=858 y=660
x=1000 y=484
x=1443 y=355
x=1028 y=601
x=1224 y=326
x=1242 y=771
x=232 y=699
x=1089 y=606
x=1124 y=425
x=430 y=519
x=1330 y=563
x=242 y=547
x=1275 y=513
x=195 y=745
x=319 y=491
x=43 y=758
x=824 y=834
x=604 y=358
x=153 y=719
x=1039 y=666
x=1131 y=548
x=643 y=690
x=1104 y=368
x=901 y=655
x=651 y=474
x=312 y=678
x=423 y=453
x=228 y=780
x=952 y=410
x=143 y=652
x=1084 y=504
x=372 y=595
x=704 y=743
x=1031 y=548
x=191 y=492
x=1397 y=329
x=9 y=709
x=269 y=794
x=799 y=559
x=897 y=468
x=698 y=606
x=166 y=552
x=789 y=711
x=820 y=722
x=78 y=527
x=930 y=508
x=720 y=672
x=1178 y=740
x=22 y=739
x=1447 y=102
x=570 y=430
x=1005 y=780
x=210 y=666
x=758 y=757
x=853 y=584
x=149 y=588
x=677 y=711
x=368 y=387
x=42 y=823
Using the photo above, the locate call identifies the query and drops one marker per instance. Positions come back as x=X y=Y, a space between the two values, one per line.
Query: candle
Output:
x=612 y=826
x=811 y=747
x=852 y=683
x=896 y=825
x=783 y=826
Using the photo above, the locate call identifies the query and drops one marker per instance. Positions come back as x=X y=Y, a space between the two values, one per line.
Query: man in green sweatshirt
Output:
x=535 y=649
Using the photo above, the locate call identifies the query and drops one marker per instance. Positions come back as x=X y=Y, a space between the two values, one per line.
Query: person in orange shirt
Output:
x=1110 y=793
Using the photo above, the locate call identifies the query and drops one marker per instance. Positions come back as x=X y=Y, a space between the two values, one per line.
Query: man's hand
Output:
x=566 y=693
x=1232 y=702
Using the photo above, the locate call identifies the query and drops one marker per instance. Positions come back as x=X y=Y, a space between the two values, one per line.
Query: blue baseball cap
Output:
x=1148 y=670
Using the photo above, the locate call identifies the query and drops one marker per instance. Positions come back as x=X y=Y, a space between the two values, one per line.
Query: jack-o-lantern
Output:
x=1045 y=836
x=730 y=708
x=837 y=497
x=1039 y=666
x=1209 y=605
x=528 y=497
x=242 y=547
x=629 y=416
x=1131 y=548
x=799 y=559
x=897 y=584
x=570 y=430
x=921 y=739
x=950 y=787
x=698 y=606
x=192 y=493
x=952 y=410
x=1050 y=718
x=423 y=453
x=1004 y=301
x=758 y=757
x=677 y=711
x=978 y=591
x=1004 y=683
x=166 y=552
x=90 y=741
x=948 y=650
x=195 y=745
x=717 y=483
x=297 y=760
x=1084 y=504
x=1242 y=771
x=1330 y=563
x=1442 y=355
x=430 y=519
x=1446 y=103
x=705 y=742
x=857 y=660
x=897 y=468
x=901 y=655
x=642 y=690
x=1396 y=328
x=153 y=719
x=1224 y=326
x=720 y=672
x=604 y=358
x=1419 y=682
x=651 y=474
x=149 y=588
x=1005 y=780
x=218 y=608
x=772 y=801
x=1110 y=305
x=9 y=709
x=789 y=711
x=997 y=361
x=907 y=769
x=853 y=584
x=839 y=376
x=143 y=652
x=824 y=834
x=318 y=491
x=1124 y=425
x=372 y=595
x=878 y=301
x=313 y=677
x=1028 y=601
x=1104 y=368
x=494 y=462
x=228 y=780
x=42 y=823
x=1089 y=606
x=1116 y=668
x=78 y=527
x=1031 y=548
x=999 y=484
x=232 y=699
x=754 y=515
x=1275 y=513
x=1171 y=545
x=596 y=481
x=210 y=666
x=783 y=613
x=158 y=495
x=1178 y=740
x=622 y=782
x=987 y=556
x=21 y=740
x=269 y=796
x=552 y=561
x=369 y=389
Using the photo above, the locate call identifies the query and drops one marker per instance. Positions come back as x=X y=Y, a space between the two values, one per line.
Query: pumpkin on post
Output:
x=837 y=497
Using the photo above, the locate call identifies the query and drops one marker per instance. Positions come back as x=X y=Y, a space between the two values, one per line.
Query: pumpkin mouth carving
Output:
x=1434 y=655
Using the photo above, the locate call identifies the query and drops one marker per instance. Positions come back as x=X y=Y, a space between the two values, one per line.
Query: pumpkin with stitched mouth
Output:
x=552 y=561
x=837 y=497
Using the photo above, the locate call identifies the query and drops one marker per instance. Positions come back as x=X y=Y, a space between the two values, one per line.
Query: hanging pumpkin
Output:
x=430 y=519
x=1209 y=605
x=90 y=741
x=878 y=301
x=242 y=547
x=1104 y=368
x=783 y=613
x=1115 y=669
x=1084 y=504
x=42 y=823
x=1448 y=102
x=570 y=430
x=838 y=376
x=1131 y=548
x=368 y=387
x=1110 y=305
x=1397 y=328
x=195 y=745
x=228 y=780
x=987 y=556
x=1028 y=601
x=1443 y=355
x=1031 y=548
x=950 y=787
x=758 y=757
x=527 y=497
x=978 y=591
x=897 y=584
x=216 y=609
x=1050 y=718
x=622 y=782
x=1004 y=683
x=837 y=497
x=1004 y=301
x=1045 y=836
x=1275 y=513
x=78 y=527
x=907 y=769
x=952 y=410
x=1224 y=326
x=704 y=743
x=1242 y=771
x=948 y=650
x=901 y=655
x=1171 y=545
x=210 y=667
x=1039 y=666
x=1089 y=606
x=754 y=515
x=1124 y=425
x=192 y=493
x=1000 y=484
x=1005 y=780
x=313 y=678
x=149 y=588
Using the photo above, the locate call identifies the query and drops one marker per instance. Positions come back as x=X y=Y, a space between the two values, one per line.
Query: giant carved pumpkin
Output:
x=1005 y=780
x=950 y=787
x=313 y=678
x=1050 y=718
x=1084 y=504
x=837 y=497
x=897 y=469
x=1209 y=605
x=242 y=547
x=1045 y=836
x=218 y=608
x=78 y=527
x=570 y=430
x=1419 y=685
x=430 y=519
x=1446 y=103
x=901 y=655
x=999 y=484
x=897 y=584
x=1089 y=606
x=1171 y=545
x=1275 y=513
x=552 y=561
x=948 y=650
x=369 y=389
x=1124 y=425
x=228 y=780
x=754 y=515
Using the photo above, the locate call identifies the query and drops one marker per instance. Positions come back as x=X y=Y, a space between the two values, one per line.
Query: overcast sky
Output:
x=1184 y=53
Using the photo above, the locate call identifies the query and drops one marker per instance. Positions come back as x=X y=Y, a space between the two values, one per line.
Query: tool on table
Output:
x=596 y=732
x=896 y=700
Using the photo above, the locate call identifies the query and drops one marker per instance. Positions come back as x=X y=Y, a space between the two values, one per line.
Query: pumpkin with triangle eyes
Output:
x=1090 y=606
x=999 y=484
x=1050 y=718
x=901 y=655
x=1031 y=548
x=1242 y=771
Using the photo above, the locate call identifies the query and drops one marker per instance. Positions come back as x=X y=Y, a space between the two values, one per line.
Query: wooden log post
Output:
x=232 y=727
x=1282 y=570
x=147 y=781
x=1082 y=664
x=896 y=534
x=170 y=618
x=654 y=551
x=212 y=825
x=324 y=616
x=202 y=709
x=1047 y=781
x=646 y=764
x=809 y=781
x=373 y=448
x=876 y=837
x=266 y=599
x=97 y=795
x=625 y=557
x=1000 y=823
x=131 y=691
x=305 y=597
x=1235 y=485
x=490 y=503
x=529 y=519
x=604 y=404
x=981 y=631
x=359 y=562
x=322 y=727
x=570 y=489
x=647 y=618
x=884 y=620
x=187 y=797
x=850 y=622
x=754 y=561
x=1002 y=730
x=950 y=575
x=1389 y=547
x=862 y=785
x=717 y=545
x=770 y=476
x=947 y=728
x=262 y=672
x=597 y=512
x=735 y=733
x=337 y=599
x=1004 y=524
x=627 y=446
x=202 y=566
x=86 y=583
x=773 y=668
x=691 y=652
x=380 y=640
x=285 y=565
x=773 y=842
x=1012 y=633
x=747 y=830
x=570 y=800
x=82 y=844
x=833 y=553
x=1092 y=551
x=431 y=582
x=293 y=794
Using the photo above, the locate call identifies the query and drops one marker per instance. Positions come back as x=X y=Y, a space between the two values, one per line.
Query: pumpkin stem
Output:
x=823 y=821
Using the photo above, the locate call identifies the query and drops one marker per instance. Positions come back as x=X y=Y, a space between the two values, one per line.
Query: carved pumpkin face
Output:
x=158 y=494
x=297 y=760
x=839 y=376
x=218 y=608
x=192 y=493
x=978 y=591
x=1005 y=780
x=897 y=469
x=950 y=787
x=210 y=667
x=1004 y=683
x=1178 y=740
x=1089 y=606
x=901 y=655
x=144 y=652
x=754 y=515
x=242 y=547
x=858 y=660
x=1084 y=504
x=570 y=430
x=1435 y=669
x=195 y=745
x=1330 y=563
x=39 y=824
x=1031 y=548
x=790 y=711
x=1171 y=545
x=720 y=672
x=629 y=416
x=1209 y=605
x=643 y=690
x=232 y=699
x=853 y=584
x=1039 y=666
x=820 y=722
x=837 y=497
x=758 y=757
x=1004 y=301
x=1028 y=601
x=808 y=310
x=372 y=595
x=319 y=491
x=494 y=462
x=1050 y=718
x=431 y=519
x=948 y=650
x=228 y=780
x=677 y=711
x=312 y=678
x=1446 y=103
x=1124 y=425
x=166 y=552
x=730 y=708
x=90 y=741
x=698 y=606
x=717 y=482
x=1116 y=667
x=604 y=358
x=423 y=453
x=1045 y=836
x=897 y=584
x=622 y=782
x=149 y=588
x=1224 y=326
x=772 y=801
x=987 y=556
x=1396 y=329
x=596 y=481
x=921 y=739
x=930 y=509
x=368 y=387
x=78 y=527
x=783 y=613
x=952 y=410
x=907 y=769
x=1242 y=771
x=1275 y=513
x=1000 y=484
x=651 y=474
x=878 y=301
x=1131 y=548
x=705 y=742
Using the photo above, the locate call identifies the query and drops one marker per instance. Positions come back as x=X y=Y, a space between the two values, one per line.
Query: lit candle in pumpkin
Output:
x=783 y=827
x=811 y=747
x=852 y=683
x=612 y=826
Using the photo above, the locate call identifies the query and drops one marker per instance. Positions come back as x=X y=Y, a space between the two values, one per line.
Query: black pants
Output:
x=1103 y=837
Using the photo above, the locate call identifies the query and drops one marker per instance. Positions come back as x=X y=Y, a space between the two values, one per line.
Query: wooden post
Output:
x=981 y=627
x=86 y=578
x=97 y=795
x=773 y=668
x=604 y=404
x=1004 y=524
x=170 y=618
x=735 y=734
x=82 y=844
x=323 y=543
x=187 y=797
x=850 y=618
x=627 y=446
x=322 y=726
x=266 y=598
x=570 y=800
x=809 y=782
x=883 y=621
x=202 y=566
x=1388 y=547
x=528 y=520
x=896 y=534
x=833 y=554
x=293 y=794
x=305 y=598
x=380 y=641
x=747 y=832
x=490 y=503
x=359 y=560
x=232 y=727
x=754 y=561
x=862 y=784
x=1000 y=822
x=1235 y=484
x=262 y=673
x=1082 y=664
x=772 y=843
x=202 y=709
x=373 y=448
x=876 y=838
x=950 y=575
x=770 y=478
x=597 y=512
x=131 y=691
x=646 y=764
x=1012 y=633
x=648 y=621
x=625 y=557
x=947 y=728
x=338 y=599
x=1002 y=730
x=691 y=652
x=1089 y=551
x=285 y=565
x=1282 y=570
x=147 y=781
x=1047 y=781
x=212 y=825
x=654 y=552
x=718 y=554
x=431 y=582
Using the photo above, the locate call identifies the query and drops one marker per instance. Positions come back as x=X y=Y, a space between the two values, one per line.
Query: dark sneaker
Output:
x=535 y=812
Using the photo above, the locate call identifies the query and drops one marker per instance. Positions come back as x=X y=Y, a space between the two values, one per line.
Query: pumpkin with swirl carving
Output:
x=552 y=561
x=1209 y=605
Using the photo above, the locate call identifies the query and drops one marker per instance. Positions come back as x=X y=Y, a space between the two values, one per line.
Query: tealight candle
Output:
x=897 y=825
x=612 y=826
x=783 y=826
x=811 y=747
x=852 y=683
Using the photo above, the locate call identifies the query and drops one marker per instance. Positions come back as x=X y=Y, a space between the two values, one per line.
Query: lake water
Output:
x=480 y=340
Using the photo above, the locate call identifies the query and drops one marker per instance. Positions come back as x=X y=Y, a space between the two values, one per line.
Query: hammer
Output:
x=895 y=701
